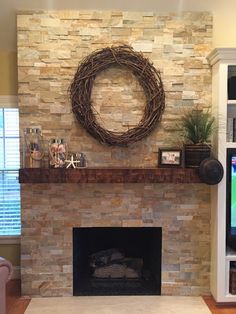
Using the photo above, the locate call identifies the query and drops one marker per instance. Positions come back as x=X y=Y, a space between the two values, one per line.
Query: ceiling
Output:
x=9 y=10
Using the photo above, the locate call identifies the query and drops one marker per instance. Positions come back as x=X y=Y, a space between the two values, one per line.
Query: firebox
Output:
x=117 y=261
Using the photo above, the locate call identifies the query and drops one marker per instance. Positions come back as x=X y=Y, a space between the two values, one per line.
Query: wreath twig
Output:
x=147 y=75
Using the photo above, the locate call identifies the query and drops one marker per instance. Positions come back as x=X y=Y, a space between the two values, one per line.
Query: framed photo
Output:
x=170 y=157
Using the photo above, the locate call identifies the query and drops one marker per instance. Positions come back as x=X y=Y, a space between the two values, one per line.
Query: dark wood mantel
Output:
x=109 y=175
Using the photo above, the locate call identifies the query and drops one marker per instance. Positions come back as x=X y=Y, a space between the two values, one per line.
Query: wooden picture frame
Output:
x=170 y=157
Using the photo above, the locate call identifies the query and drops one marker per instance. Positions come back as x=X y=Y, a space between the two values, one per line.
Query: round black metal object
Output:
x=211 y=171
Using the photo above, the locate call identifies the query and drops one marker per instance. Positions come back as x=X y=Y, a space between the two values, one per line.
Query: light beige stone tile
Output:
x=143 y=46
x=119 y=305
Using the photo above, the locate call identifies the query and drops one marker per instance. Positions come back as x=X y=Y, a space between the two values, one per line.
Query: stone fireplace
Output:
x=51 y=211
x=50 y=46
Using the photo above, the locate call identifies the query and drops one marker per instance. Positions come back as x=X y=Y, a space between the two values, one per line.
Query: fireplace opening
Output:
x=117 y=261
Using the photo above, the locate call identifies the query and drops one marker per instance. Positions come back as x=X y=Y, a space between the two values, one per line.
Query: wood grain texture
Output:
x=109 y=175
x=219 y=308
x=15 y=303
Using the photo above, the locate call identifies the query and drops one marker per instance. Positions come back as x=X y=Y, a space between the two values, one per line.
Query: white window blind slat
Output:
x=1 y=122
x=10 y=220
x=12 y=153
x=11 y=118
x=10 y=203
x=1 y=154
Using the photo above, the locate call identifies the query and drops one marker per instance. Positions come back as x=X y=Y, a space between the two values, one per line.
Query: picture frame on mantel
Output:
x=170 y=157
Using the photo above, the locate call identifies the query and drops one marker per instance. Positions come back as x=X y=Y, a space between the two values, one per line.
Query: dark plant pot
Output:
x=195 y=154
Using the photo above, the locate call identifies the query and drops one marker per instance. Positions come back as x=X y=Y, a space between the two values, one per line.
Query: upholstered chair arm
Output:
x=5 y=274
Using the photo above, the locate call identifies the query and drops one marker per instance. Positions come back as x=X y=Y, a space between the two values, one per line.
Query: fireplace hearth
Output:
x=117 y=261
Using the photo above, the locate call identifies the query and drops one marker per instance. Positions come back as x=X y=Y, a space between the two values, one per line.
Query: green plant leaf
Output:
x=197 y=125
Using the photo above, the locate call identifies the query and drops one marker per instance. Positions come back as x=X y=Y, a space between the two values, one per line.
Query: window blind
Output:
x=9 y=203
x=9 y=165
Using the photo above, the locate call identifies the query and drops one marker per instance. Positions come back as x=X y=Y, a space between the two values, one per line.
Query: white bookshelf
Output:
x=231 y=102
x=223 y=62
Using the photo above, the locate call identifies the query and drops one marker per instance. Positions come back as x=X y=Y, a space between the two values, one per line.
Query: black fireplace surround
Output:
x=142 y=244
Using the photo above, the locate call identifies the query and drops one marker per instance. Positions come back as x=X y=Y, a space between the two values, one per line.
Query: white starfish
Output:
x=71 y=162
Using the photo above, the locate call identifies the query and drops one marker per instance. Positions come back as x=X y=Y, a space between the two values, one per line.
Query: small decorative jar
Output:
x=33 y=148
x=82 y=160
x=57 y=153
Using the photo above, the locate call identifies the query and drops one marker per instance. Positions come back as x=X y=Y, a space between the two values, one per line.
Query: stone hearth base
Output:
x=118 y=305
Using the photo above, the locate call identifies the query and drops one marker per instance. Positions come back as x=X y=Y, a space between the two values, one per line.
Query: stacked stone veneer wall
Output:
x=50 y=211
x=50 y=46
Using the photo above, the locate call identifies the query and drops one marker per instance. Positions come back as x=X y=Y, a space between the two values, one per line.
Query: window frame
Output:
x=9 y=101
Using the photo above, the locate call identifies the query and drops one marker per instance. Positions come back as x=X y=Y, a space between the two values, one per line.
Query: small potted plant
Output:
x=197 y=126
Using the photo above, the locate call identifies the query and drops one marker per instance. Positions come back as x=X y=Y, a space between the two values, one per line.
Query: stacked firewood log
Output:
x=113 y=263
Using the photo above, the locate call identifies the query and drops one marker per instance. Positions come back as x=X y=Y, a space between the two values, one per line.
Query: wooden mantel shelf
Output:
x=109 y=175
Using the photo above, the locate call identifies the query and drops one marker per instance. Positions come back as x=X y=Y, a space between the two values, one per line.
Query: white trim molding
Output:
x=224 y=54
x=8 y=101
x=9 y=240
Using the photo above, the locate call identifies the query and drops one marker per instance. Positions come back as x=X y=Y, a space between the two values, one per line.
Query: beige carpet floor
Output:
x=118 y=305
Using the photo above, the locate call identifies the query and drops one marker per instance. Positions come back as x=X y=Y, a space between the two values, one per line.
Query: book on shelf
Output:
x=234 y=129
x=231 y=129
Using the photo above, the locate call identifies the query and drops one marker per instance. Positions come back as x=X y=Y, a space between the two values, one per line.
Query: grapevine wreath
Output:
x=149 y=78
